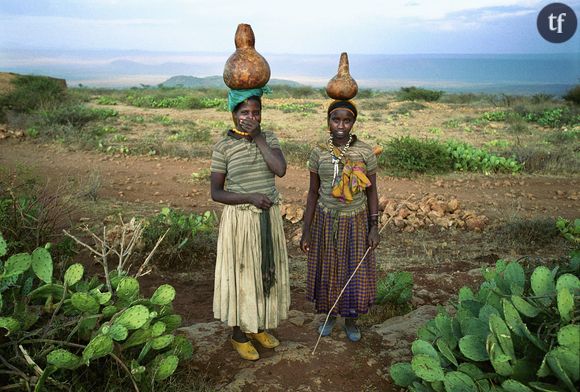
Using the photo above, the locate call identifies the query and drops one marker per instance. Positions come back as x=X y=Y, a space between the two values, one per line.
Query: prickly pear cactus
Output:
x=137 y=338
x=3 y=246
x=108 y=311
x=158 y=328
x=64 y=359
x=10 y=324
x=16 y=265
x=118 y=332
x=165 y=367
x=42 y=264
x=182 y=347
x=172 y=321
x=85 y=303
x=164 y=295
x=99 y=346
x=73 y=274
x=134 y=317
x=159 y=343
x=520 y=326
x=128 y=288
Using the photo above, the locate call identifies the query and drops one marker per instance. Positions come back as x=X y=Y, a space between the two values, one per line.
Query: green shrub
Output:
x=76 y=328
x=406 y=108
x=569 y=230
x=573 y=95
x=76 y=116
x=296 y=153
x=395 y=288
x=554 y=117
x=106 y=100
x=285 y=91
x=33 y=92
x=518 y=331
x=418 y=94
x=565 y=135
x=31 y=214
x=528 y=234
x=295 y=107
x=406 y=155
x=468 y=158
x=189 y=240
x=186 y=101
x=496 y=115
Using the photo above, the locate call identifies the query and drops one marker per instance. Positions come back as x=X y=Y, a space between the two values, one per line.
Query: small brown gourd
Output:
x=246 y=68
x=342 y=86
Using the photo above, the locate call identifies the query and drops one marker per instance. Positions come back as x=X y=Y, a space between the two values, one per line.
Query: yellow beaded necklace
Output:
x=234 y=130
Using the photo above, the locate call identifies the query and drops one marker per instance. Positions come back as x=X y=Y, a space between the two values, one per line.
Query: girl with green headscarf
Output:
x=251 y=289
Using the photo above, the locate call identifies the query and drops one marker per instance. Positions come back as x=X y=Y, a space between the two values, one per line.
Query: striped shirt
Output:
x=321 y=162
x=244 y=166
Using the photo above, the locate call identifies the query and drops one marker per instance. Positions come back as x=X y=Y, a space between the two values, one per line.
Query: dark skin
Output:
x=247 y=118
x=340 y=124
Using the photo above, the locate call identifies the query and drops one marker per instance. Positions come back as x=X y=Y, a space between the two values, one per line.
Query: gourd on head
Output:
x=342 y=86
x=246 y=68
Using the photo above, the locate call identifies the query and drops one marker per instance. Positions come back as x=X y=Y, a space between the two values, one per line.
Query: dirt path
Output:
x=451 y=260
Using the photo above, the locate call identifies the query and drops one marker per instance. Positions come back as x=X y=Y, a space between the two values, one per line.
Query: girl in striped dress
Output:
x=251 y=290
x=341 y=222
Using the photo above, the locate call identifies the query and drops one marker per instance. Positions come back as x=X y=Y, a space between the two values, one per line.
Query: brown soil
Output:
x=441 y=260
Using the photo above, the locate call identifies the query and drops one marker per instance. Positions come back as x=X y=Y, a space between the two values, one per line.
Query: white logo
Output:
x=559 y=19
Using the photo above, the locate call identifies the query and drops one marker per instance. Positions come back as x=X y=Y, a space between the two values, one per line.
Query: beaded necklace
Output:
x=337 y=159
x=235 y=130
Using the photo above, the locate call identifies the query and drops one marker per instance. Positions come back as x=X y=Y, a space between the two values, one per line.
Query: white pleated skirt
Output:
x=238 y=292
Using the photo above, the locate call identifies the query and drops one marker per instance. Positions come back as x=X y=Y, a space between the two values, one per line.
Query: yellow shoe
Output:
x=246 y=350
x=265 y=339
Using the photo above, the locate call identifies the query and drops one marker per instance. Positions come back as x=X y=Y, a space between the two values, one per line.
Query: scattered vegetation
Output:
x=189 y=239
x=406 y=155
x=573 y=95
x=394 y=293
x=296 y=153
x=418 y=94
x=31 y=93
x=528 y=234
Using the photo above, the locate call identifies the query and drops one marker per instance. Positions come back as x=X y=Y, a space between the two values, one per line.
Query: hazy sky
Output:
x=292 y=26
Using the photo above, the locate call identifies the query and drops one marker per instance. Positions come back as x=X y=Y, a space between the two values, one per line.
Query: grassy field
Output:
x=83 y=158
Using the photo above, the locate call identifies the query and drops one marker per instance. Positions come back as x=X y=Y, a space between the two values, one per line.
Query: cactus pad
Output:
x=42 y=264
x=163 y=295
x=73 y=274
x=63 y=359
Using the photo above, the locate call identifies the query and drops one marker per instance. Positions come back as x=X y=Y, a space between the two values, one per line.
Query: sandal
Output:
x=265 y=339
x=246 y=350
x=326 y=330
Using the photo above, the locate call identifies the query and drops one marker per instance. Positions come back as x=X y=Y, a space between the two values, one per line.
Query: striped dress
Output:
x=239 y=298
x=339 y=239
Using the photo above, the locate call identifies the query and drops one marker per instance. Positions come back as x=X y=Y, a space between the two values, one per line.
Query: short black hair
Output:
x=253 y=97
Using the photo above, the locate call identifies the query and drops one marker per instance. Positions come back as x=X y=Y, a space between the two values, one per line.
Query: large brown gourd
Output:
x=342 y=86
x=246 y=68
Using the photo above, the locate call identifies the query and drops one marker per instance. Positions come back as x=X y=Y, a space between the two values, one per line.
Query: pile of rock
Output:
x=5 y=134
x=429 y=211
x=292 y=212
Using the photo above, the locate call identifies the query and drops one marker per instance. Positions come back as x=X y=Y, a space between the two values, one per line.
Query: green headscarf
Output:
x=237 y=96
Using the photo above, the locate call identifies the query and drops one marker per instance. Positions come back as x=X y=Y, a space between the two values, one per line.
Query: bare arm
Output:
x=219 y=194
x=311 y=200
x=373 y=207
x=273 y=156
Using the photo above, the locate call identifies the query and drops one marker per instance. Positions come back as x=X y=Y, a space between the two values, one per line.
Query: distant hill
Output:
x=215 y=82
